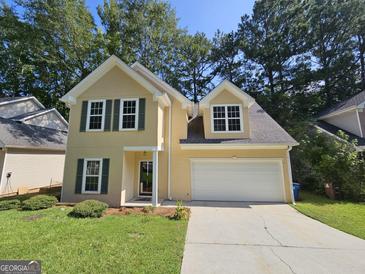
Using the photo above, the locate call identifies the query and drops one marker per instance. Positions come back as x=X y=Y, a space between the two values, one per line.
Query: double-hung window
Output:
x=128 y=114
x=92 y=176
x=227 y=118
x=96 y=115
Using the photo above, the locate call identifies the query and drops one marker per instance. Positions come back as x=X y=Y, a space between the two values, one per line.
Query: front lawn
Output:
x=112 y=244
x=346 y=216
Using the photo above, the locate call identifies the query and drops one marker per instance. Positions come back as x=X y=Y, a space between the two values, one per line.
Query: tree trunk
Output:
x=362 y=60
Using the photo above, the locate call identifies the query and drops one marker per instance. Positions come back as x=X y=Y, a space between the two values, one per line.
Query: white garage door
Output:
x=237 y=180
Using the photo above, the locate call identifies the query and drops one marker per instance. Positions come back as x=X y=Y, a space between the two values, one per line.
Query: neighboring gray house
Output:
x=32 y=144
x=348 y=116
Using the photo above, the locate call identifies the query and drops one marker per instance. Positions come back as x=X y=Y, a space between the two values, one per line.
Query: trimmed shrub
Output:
x=89 y=208
x=39 y=202
x=181 y=212
x=9 y=204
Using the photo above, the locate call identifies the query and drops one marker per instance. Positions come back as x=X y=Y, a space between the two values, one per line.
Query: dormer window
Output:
x=226 y=118
x=129 y=114
x=96 y=115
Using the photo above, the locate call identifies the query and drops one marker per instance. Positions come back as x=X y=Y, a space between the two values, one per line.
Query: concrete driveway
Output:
x=266 y=238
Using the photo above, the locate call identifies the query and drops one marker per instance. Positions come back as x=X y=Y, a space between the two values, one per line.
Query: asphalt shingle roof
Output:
x=16 y=134
x=351 y=102
x=264 y=130
x=9 y=99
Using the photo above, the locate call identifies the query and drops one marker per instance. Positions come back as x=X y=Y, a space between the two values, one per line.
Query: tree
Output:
x=142 y=30
x=332 y=48
x=194 y=68
x=228 y=62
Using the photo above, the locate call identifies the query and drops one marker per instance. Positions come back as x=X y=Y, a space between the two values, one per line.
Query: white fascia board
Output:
x=233 y=146
x=93 y=77
x=169 y=89
x=227 y=85
x=163 y=100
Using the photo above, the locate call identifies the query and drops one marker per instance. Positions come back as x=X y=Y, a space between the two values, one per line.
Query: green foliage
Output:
x=89 y=208
x=39 y=202
x=9 y=204
x=323 y=159
x=181 y=212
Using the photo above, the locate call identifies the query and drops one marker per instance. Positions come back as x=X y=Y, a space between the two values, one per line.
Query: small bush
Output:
x=9 y=204
x=148 y=209
x=181 y=212
x=89 y=208
x=39 y=202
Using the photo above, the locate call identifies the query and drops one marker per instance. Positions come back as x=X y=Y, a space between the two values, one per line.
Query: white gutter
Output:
x=169 y=158
x=290 y=175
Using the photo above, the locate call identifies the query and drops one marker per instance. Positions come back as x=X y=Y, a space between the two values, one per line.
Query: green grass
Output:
x=112 y=244
x=346 y=216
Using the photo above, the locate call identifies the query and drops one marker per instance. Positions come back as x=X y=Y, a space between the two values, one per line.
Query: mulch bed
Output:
x=157 y=211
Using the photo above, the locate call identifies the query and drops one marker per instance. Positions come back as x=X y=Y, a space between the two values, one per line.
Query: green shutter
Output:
x=116 y=115
x=79 y=174
x=108 y=115
x=83 y=116
x=141 y=113
x=105 y=177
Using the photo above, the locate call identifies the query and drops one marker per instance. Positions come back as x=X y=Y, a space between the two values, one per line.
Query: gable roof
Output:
x=33 y=114
x=149 y=75
x=18 y=135
x=12 y=100
x=356 y=101
x=227 y=85
x=264 y=131
x=93 y=77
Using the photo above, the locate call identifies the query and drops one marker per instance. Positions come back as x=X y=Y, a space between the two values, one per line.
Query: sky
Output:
x=198 y=15
x=202 y=15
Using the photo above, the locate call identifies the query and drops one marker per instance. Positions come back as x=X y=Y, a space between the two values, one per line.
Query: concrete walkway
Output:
x=249 y=238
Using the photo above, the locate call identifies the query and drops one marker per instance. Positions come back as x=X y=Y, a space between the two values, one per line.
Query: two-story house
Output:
x=134 y=137
x=348 y=116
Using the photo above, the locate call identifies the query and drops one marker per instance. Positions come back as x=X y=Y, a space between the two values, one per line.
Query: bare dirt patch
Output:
x=32 y=218
x=157 y=211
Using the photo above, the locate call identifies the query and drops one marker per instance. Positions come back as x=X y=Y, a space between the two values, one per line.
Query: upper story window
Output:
x=129 y=114
x=92 y=176
x=226 y=118
x=96 y=115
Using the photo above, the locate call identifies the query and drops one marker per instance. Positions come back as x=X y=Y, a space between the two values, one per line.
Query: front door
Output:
x=145 y=178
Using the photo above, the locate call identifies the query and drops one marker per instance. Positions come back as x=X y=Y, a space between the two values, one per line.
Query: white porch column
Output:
x=155 y=179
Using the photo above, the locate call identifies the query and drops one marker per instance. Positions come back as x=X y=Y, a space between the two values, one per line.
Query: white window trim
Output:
x=122 y=100
x=225 y=118
x=99 y=178
x=88 y=115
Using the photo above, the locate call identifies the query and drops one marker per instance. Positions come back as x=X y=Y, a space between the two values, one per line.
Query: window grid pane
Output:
x=224 y=116
x=96 y=115
x=92 y=175
x=129 y=114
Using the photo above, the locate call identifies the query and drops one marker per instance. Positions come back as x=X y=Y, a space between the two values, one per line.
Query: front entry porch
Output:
x=140 y=176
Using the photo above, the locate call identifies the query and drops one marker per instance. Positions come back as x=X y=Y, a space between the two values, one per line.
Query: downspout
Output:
x=169 y=157
x=290 y=175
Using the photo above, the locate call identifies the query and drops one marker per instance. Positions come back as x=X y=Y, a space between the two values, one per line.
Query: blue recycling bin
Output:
x=296 y=189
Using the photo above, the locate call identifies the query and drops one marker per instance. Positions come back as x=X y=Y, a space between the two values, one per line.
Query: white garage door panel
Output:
x=237 y=180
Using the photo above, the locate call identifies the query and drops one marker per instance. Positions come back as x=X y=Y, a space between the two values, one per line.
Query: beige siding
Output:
x=225 y=97
x=17 y=108
x=129 y=168
x=31 y=169
x=49 y=120
x=114 y=85
x=347 y=121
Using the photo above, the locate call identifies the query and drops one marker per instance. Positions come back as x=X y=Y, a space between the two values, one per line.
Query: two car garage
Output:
x=257 y=180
